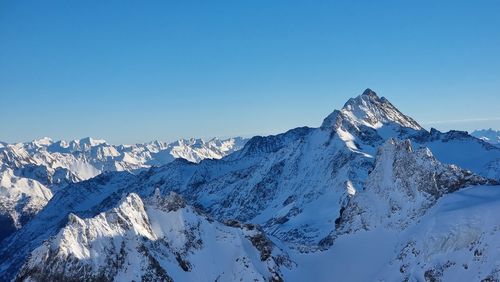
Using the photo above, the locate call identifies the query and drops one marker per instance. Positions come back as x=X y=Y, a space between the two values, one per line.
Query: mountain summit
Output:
x=369 y=92
x=369 y=110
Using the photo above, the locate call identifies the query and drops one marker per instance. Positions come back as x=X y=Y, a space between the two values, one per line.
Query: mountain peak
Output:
x=368 y=109
x=44 y=141
x=367 y=97
x=369 y=92
x=91 y=141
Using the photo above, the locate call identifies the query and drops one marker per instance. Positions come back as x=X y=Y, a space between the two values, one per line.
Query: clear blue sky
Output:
x=133 y=71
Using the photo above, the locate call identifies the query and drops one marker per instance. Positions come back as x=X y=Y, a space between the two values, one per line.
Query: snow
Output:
x=11 y=185
x=488 y=135
x=357 y=257
x=371 y=111
x=20 y=199
x=359 y=199
x=469 y=154
x=458 y=237
x=89 y=157
x=171 y=236
x=45 y=141
x=56 y=164
x=446 y=232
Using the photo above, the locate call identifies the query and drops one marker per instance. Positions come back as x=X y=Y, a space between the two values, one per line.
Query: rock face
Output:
x=160 y=239
x=321 y=194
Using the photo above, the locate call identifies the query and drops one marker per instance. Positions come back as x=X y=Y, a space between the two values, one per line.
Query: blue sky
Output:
x=134 y=71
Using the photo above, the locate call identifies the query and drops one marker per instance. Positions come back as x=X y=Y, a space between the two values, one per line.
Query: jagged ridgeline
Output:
x=32 y=172
x=369 y=195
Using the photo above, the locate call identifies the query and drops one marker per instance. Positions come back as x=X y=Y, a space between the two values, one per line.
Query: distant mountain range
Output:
x=31 y=172
x=370 y=195
x=488 y=135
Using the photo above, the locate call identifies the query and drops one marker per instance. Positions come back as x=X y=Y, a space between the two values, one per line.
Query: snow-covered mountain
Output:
x=333 y=198
x=20 y=199
x=88 y=157
x=29 y=169
x=457 y=240
x=488 y=135
x=403 y=185
x=157 y=239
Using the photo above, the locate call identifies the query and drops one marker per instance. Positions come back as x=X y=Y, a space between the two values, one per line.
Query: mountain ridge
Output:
x=305 y=187
x=53 y=165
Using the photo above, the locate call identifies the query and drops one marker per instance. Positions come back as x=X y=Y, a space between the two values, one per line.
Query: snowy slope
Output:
x=159 y=239
x=20 y=199
x=457 y=240
x=464 y=150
